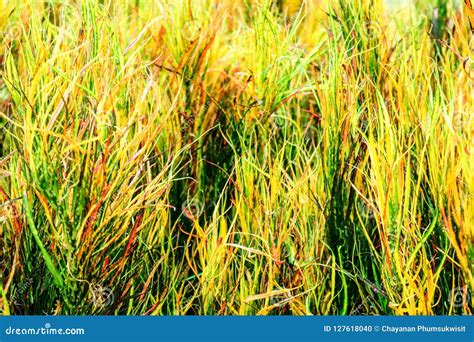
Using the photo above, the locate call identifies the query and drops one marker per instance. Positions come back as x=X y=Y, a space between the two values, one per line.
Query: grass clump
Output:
x=236 y=158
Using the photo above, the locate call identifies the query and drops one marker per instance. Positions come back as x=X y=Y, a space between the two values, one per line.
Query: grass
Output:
x=236 y=158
